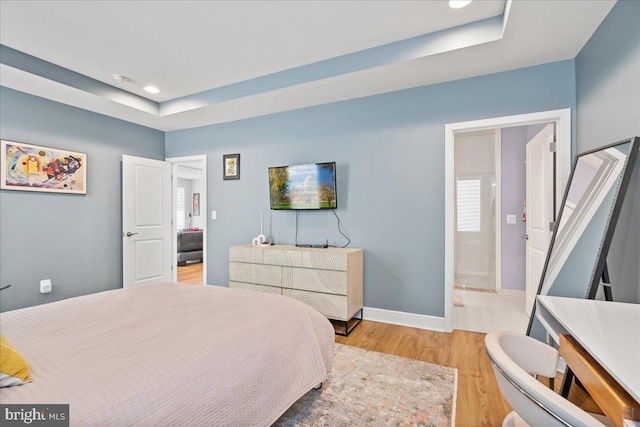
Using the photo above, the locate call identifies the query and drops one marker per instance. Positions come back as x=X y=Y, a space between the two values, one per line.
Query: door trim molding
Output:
x=497 y=138
x=203 y=211
x=562 y=119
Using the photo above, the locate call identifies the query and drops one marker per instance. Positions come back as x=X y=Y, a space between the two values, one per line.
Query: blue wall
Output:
x=389 y=150
x=75 y=240
x=608 y=110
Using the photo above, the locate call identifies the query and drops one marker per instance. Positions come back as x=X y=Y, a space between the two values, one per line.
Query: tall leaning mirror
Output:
x=591 y=205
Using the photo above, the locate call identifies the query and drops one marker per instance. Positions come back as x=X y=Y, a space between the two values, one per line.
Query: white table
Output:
x=608 y=331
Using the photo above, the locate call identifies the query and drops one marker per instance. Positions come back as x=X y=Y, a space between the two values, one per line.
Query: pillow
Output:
x=14 y=370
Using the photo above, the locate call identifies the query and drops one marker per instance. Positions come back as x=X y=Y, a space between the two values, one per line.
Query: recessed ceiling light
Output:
x=152 y=89
x=458 y=4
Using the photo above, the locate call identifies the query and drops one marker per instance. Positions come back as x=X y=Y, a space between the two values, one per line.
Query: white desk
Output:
x=608 y=331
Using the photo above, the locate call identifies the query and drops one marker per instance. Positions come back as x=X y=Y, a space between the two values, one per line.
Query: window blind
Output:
x=180 y=208
x=468 y=199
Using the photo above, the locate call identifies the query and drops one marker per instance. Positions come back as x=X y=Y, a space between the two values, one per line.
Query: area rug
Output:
x=367 y=388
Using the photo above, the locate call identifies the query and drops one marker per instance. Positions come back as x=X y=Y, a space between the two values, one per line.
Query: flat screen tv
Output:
x=311 y=186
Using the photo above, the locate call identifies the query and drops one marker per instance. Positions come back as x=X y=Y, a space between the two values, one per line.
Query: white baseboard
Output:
x=515 y=292
x=413 y=320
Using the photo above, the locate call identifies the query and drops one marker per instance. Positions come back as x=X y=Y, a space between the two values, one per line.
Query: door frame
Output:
x=203 y=211
x=497 y=140
x=562 y=120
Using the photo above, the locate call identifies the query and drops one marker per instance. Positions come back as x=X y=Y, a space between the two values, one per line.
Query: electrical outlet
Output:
x=45 y=286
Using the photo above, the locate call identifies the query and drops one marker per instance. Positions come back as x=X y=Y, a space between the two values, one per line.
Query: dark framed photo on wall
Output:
x=231 y=166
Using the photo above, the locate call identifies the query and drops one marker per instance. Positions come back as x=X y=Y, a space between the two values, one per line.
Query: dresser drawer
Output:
x=247 y=253
x=324 y=261
x=282 y=257
x=242 y=285
x=327 y=281
x=268 y=289
x=331 y=306
x=254 y=287
x=242 y=272
x=269 y=275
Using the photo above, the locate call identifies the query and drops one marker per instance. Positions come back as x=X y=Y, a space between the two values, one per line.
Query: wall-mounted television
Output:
x=311 y=186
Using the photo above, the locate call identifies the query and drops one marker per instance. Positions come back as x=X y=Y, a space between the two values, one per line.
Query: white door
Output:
x=146 y=221
x=540 y=184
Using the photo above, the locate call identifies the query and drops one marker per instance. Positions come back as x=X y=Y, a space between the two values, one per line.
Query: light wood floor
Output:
x=479 y=400
x=190 y=274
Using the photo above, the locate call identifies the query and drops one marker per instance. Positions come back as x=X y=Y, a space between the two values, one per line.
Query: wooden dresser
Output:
x=329 y=280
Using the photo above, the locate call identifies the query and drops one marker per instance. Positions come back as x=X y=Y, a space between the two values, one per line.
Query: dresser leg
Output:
x=344 y=328
x=566 y=383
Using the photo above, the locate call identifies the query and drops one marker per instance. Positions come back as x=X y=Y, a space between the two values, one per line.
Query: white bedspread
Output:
x=170 y=354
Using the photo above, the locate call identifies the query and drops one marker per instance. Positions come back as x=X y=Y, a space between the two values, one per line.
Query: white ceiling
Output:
x=190 y=47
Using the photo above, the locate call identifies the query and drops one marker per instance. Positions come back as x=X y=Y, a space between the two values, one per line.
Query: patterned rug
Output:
x=367 y=388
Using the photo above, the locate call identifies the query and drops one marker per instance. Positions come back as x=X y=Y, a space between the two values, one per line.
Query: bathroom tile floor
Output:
x=486 y=312
x=475 y=281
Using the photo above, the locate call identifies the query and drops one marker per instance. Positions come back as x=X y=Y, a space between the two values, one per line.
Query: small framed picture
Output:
x=231 y=166
x=196 y=204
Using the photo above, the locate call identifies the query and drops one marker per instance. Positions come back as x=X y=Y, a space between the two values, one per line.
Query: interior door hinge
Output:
x=553 y=146
x=552 y=226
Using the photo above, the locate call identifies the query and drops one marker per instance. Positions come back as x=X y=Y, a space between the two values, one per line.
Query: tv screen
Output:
x=311 y=186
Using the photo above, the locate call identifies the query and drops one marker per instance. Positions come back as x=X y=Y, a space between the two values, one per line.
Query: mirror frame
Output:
x=610 y=227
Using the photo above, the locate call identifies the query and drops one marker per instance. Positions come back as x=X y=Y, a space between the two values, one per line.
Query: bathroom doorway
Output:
x=485 y=271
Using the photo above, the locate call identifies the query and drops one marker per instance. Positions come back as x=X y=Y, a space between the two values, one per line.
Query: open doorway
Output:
x=499 y=252
x=483 y=280
x=189 y=219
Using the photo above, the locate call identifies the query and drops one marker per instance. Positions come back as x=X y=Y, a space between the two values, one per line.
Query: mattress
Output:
x=170 y=354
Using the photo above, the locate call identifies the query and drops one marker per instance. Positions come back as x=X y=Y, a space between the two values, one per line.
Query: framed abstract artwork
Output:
x=231 y=166
x=26 y=167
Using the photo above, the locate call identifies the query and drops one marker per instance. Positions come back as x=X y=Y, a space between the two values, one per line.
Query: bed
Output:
x=170 y=354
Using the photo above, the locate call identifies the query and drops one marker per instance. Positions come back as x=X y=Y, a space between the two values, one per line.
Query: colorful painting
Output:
x=196 y=204
x=27 y=167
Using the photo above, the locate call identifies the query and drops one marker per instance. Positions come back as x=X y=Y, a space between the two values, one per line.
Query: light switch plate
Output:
x=214 y=214
x=511 y=219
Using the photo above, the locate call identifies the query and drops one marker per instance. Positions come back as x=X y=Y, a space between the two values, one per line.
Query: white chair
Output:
x=515 y=358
